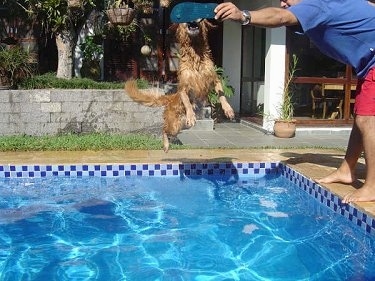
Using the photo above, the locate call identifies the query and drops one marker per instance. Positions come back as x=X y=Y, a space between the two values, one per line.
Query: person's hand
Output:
x=228 y=11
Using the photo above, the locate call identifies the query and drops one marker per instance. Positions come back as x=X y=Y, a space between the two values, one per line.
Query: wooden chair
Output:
x=338 y=112
x=318 y=100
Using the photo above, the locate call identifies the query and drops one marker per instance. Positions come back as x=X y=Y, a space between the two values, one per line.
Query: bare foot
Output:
x=338 y=176
x=364 y=194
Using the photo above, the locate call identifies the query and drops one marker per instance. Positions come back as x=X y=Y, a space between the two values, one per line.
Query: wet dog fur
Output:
x=196 y=78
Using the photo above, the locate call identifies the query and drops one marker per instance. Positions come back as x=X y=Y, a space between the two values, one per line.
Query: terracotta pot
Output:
x=284 y=129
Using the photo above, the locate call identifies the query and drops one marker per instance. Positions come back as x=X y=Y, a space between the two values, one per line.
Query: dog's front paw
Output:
x=190 y=119
x=228 y=111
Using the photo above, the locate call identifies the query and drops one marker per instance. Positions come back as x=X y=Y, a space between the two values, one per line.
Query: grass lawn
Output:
x=75 y=142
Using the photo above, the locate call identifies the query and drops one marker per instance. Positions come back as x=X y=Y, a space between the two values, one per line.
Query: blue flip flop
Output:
x=191 y=11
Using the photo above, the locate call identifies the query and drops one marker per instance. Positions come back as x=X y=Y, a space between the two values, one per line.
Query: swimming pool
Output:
x=213 y=221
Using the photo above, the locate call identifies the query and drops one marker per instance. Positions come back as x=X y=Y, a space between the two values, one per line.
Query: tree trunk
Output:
x=65 y=42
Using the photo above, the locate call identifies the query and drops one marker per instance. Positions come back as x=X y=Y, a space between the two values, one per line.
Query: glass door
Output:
x=252 y=70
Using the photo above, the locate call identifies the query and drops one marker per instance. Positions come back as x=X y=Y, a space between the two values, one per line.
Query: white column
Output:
x=232 y=59
x=274 y=75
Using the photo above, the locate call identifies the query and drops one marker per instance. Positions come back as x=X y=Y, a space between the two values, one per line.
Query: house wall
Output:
x=274 y=61
x=50 y=112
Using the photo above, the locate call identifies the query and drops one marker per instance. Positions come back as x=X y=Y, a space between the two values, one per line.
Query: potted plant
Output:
x=92 y=54
x=285 y=124
x=121 y=33
x=146 y=6
x=14 y=66
x=120 y=13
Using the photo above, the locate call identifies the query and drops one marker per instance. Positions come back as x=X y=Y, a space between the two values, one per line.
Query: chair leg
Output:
x=313 y=109
x=324 y=109
x=339 y=107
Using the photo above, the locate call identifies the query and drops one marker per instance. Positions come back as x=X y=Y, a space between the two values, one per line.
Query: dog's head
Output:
x=193 y=31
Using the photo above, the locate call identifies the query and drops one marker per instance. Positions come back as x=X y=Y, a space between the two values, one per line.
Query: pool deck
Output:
x=301 y=153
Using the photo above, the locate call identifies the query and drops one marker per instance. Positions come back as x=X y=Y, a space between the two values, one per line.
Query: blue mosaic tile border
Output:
x=332 y=201
x=115 y=170
x=361 y=219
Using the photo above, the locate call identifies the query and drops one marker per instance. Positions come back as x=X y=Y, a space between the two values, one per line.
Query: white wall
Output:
x=275 y=53
x=274 y=75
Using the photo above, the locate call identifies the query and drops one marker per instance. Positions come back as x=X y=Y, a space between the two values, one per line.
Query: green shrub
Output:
x=15 y=64
x=49 y=80
x=228 y=90
x=91 y=50
x=143 y=84
x=213 y=98
x=82 y=142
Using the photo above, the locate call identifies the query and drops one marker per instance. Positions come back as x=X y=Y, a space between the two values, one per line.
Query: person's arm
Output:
x=267 y=17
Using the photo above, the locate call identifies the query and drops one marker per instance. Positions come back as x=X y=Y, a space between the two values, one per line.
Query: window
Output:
x=322 y=91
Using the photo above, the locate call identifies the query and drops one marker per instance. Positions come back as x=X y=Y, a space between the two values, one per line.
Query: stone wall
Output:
x=56 y=111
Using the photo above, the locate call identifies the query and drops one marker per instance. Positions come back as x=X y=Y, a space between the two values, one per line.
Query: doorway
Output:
x=252 y=70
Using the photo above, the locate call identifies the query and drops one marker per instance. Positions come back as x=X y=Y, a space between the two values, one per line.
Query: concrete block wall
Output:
x=56 y=111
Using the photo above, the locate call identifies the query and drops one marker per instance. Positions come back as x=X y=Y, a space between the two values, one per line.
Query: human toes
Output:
x=346 y=199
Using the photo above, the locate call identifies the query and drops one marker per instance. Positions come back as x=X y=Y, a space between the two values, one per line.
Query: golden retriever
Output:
x=196 y=78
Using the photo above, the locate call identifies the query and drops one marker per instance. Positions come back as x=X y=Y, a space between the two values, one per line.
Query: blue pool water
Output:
x=175 y=228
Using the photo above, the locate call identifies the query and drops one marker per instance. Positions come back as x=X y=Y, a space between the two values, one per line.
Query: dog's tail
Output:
x=152 y=99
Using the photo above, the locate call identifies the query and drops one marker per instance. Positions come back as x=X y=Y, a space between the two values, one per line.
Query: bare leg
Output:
x=366 y=125
x=346 y=172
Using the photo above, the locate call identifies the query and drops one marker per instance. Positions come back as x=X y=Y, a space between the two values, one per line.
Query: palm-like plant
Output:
x=213 y=98
x=286 y=110
x=14 y=65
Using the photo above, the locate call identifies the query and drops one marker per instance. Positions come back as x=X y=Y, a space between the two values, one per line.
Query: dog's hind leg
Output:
x=165 y=142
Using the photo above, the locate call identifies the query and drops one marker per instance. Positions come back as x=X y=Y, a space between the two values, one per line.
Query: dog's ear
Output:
x=211 y=24
x=173 y=27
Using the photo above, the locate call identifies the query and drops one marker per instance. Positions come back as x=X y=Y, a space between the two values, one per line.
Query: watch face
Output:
x=246 y=15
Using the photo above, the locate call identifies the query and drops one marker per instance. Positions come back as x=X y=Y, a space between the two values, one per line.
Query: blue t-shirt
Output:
x=341 y=29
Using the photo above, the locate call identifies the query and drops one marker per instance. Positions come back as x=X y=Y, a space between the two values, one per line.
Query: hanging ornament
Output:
x=146 y=50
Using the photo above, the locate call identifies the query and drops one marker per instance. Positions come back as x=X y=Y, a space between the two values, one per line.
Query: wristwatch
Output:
x=247 y=16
